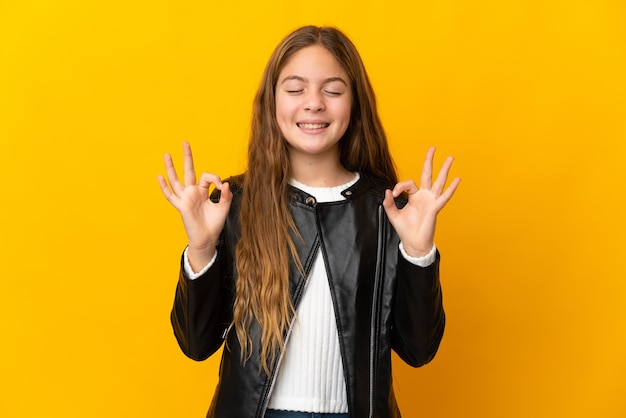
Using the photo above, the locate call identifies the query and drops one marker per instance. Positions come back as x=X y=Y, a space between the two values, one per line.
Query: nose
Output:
x=314 y=102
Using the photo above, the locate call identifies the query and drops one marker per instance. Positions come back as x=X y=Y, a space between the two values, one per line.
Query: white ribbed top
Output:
x=310 y=378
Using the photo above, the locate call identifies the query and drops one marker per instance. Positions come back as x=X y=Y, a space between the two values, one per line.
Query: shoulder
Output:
x=377 y=186
x=236 y=183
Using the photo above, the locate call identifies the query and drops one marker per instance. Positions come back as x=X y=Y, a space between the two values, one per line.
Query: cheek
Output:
x=346 y=111
x=282 y=110
x=282 y=116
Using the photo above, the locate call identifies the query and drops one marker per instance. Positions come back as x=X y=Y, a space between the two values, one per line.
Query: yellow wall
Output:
x=530 y=96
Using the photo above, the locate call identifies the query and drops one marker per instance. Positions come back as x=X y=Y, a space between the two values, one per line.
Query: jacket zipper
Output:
x=380 y=254
x=266 y=399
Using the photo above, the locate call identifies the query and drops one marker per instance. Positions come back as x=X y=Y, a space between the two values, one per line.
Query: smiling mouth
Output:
x=313 y=125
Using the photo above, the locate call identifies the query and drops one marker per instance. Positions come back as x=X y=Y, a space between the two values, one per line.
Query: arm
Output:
x=418 y=317
x=201 y=312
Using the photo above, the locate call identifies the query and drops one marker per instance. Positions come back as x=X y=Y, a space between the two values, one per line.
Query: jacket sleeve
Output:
x=418 y=316
x=202 y=311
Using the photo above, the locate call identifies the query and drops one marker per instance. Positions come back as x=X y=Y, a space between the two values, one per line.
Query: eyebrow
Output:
x=302 y=79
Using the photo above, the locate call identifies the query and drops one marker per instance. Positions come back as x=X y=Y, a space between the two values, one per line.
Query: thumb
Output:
x=389 y=204
x=226 y=196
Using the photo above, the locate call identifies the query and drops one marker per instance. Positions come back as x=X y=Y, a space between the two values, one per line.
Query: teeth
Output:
x=312 y=125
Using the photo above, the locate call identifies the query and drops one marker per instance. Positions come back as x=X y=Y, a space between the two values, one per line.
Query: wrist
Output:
x=200 y=256
x=417 y=252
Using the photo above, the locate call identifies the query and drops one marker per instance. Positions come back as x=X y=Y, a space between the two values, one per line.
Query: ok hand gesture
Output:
x=203 y=219
x=415 y=223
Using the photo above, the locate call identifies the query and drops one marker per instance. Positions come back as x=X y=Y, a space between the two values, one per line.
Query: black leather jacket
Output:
x=382 y=302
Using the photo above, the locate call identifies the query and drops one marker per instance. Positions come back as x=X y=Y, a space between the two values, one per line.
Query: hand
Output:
x=415 y=223
x=203 y=219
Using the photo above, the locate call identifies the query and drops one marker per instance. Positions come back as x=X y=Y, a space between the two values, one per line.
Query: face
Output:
x=313 y=102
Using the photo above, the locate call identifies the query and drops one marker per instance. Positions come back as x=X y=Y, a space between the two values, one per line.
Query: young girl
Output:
x=316 y=263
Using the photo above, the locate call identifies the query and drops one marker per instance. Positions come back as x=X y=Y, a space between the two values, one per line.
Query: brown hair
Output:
x=266 y=246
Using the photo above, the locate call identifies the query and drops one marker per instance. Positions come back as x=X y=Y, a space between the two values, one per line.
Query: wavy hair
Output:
x=266 y=247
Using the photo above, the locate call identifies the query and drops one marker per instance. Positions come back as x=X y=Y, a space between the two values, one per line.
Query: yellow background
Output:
x=530 y=97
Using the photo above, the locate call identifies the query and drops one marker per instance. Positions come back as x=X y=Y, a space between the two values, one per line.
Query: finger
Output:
x=165 y=189
x=389 y=204
x=172 y=177
x=408 y=186
x=226 y=196
x=189 y=170
x=206 y=179
x=449 y=192
x=427 y=170
x=442 y=177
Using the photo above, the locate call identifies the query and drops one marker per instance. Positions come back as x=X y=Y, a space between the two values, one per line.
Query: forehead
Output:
x=313 y=63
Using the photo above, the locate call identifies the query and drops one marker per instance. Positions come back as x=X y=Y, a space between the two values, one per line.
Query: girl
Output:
x=316 y=263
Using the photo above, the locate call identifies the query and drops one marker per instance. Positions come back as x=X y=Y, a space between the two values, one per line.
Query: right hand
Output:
x=202 y=218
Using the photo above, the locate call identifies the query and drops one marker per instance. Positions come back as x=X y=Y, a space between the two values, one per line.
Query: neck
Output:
x=319 y=172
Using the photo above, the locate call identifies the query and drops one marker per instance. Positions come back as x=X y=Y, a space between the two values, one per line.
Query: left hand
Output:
x=415 y=222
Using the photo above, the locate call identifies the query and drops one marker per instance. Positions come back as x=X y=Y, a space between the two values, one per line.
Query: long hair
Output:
x=266 y=246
